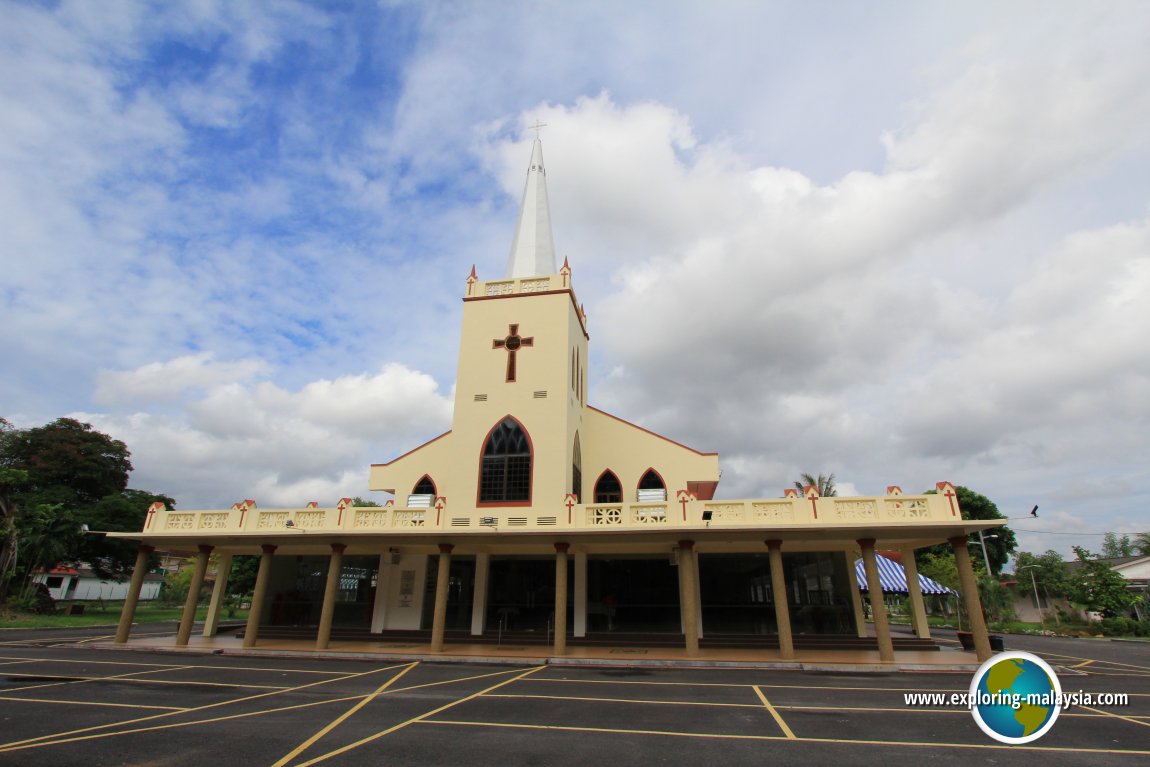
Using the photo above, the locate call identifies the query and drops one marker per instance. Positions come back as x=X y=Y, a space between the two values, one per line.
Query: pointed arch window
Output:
x=577 y=471
x=651 y=487
x=608 y=489
x=505 y=472
x=422 y=495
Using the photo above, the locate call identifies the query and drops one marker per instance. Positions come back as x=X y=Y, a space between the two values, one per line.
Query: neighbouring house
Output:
x=81 y=583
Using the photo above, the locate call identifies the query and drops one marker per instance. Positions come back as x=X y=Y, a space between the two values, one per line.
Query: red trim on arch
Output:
x=649 y=470
x=595 y=487
x=434 y=487
x=479 y=479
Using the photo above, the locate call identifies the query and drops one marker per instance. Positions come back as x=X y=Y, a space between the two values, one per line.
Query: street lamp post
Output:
x=985 y=557
x=1037 y=601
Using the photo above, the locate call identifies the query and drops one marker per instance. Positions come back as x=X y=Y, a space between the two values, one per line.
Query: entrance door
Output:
x=521 y=593
x=736 y=594
x=460 y=593
x=633 y=594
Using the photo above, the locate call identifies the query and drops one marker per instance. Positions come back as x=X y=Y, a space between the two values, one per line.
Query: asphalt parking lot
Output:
x=63 y=703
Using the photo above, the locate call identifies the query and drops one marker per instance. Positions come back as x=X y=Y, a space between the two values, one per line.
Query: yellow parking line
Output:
x=127 y=678
x=43 y=740
x=1116 y=716
x=719 y=736
x=908 y=710
x=86 y=679
x=778 y=719
x=15 y=659
x=341 y=718
x=1098 y=660
x=92 y=703
x=630 y=700
x=764 y=686
x=419 y=718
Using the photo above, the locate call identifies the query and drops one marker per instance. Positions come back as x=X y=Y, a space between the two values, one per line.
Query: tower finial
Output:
x=533 y=249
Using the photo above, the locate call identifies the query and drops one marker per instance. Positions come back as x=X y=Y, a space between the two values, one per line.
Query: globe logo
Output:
x=1015 y=697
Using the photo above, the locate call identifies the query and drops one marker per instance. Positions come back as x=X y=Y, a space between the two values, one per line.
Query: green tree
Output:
x=1099 y=587
x=1114 y=546
x=113 y=558
x=67 y=454
x=56 y=478
x=242 y=579
x=1051 y=573
x=357 y=501
x=1142 y=544
x=824 y=484
x=977 y=506
x=940 y=567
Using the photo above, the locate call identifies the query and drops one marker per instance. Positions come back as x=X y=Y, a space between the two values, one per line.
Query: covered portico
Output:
x=439 y=582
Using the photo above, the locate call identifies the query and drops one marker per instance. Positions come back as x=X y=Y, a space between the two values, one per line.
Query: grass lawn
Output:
x=106 y=614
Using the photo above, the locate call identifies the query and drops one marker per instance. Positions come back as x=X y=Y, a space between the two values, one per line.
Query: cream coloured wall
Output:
x=629 y=451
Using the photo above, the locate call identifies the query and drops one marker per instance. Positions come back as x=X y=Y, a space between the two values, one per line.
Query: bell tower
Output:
x=522 y=366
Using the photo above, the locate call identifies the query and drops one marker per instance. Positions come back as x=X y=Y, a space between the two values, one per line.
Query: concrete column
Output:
x=580 y=616
x=856 y=596
x=330 y=594
x=479 y=598
x=185 y=631
x=128 y=614
x=877 y=605
x=442 y=584
x=914 y=590
x=252 y=630
x=382 y=589
x=699 y=592
x=970 y=598
x=690 y=596
x=561 y=598
x=219 y=595
x=779 y=592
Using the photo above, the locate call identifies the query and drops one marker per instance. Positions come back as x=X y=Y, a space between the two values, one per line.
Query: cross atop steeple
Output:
x=533 y=249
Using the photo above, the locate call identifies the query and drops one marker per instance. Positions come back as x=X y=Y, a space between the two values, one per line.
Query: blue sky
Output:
x=900 y=241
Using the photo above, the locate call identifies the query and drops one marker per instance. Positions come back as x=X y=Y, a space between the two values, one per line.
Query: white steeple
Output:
x=533 y=249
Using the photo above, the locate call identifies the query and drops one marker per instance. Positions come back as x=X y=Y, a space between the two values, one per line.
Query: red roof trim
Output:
x=414 y=449
x=648 y=431
x=568 y=291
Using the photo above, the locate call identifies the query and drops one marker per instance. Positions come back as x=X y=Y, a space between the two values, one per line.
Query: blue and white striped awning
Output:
x=892 y=578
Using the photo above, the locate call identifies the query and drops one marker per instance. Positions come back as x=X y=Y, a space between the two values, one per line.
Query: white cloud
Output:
x=234 y=437
x=902 y=245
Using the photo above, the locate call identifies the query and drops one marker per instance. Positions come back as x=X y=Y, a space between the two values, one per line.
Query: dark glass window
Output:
x=577 y=473
x=506 y=472
x=608 y=489
x=651 y=481
x=424 y=487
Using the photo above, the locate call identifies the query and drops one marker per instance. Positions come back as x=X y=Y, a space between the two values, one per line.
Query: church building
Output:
x=542 y=517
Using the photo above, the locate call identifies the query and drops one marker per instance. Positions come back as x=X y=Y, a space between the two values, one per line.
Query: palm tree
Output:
x=1142 y=544
x=824 y=484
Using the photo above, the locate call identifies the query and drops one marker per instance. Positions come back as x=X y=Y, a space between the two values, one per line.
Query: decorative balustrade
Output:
x=685 y=512
x=515 y=286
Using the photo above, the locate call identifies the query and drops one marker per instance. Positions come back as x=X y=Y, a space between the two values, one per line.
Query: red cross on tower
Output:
x=512 y=344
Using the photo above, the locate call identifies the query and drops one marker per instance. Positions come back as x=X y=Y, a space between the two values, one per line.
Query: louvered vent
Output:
x=541 y=394
x=480 y=397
